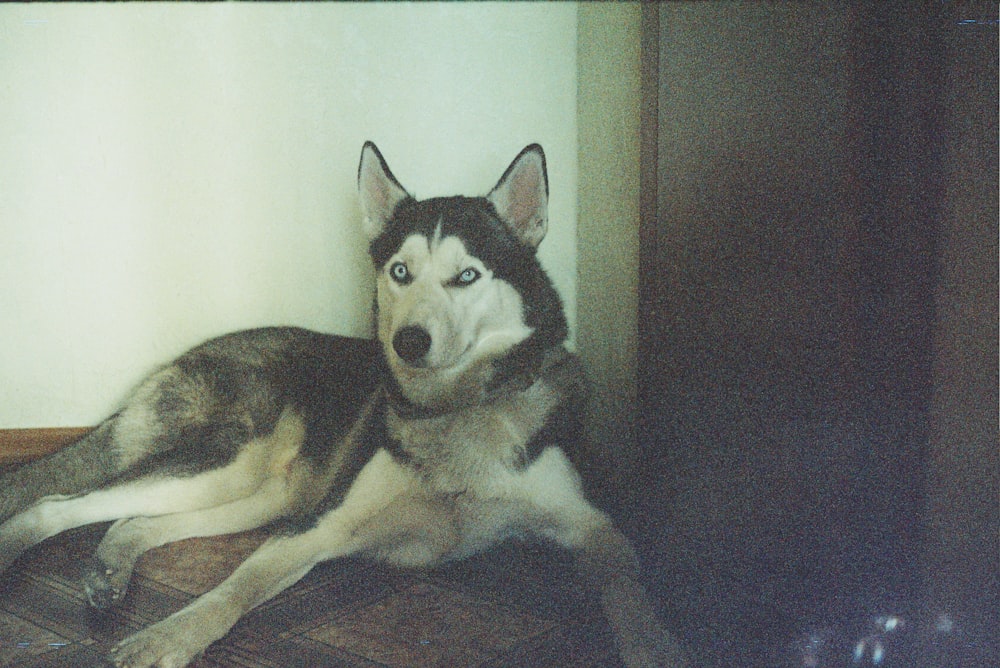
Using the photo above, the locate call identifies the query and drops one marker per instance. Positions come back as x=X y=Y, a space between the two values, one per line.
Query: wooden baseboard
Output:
x=21 y=445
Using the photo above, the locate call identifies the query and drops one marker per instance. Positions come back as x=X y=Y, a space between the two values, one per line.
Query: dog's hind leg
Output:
x=82 y=465
x=173 y=413
x=106 y=578
x=150 y=496
x=60 y=476
x=117 y=444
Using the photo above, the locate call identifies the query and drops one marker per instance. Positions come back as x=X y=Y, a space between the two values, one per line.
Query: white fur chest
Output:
x=475 y=449
x=475 y=460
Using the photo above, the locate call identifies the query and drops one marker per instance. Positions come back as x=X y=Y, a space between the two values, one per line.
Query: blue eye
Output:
x=399 y=273
x=467 y=277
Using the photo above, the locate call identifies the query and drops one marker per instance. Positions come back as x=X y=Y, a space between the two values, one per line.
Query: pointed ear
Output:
x=521 y=197
x=379 y=190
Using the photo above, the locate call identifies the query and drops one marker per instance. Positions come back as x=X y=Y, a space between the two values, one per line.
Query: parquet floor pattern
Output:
x=516 y=606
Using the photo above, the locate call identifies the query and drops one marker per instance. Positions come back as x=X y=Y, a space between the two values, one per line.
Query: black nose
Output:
x=411 y=343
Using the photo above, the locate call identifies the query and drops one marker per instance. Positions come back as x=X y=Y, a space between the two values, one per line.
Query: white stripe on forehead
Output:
x=436 y=241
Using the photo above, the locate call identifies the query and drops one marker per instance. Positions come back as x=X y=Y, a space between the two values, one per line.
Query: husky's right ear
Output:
x=379 y=191
x=521 y=197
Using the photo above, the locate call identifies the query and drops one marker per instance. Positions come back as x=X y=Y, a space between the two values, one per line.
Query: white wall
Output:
x=171 y=172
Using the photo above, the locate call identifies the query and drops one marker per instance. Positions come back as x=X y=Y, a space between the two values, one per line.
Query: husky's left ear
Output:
x=521 y=197
x=379 y=190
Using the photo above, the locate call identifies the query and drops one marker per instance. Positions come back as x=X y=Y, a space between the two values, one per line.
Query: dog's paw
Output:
x=105 y=585
x=161 y=645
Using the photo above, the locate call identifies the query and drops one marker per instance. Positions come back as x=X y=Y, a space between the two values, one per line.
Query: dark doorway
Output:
x=799 y=159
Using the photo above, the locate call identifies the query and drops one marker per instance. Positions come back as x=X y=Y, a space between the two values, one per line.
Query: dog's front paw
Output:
x=163 y=645
x=105 y=585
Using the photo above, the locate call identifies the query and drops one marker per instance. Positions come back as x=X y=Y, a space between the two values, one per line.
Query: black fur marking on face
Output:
x=475 y=221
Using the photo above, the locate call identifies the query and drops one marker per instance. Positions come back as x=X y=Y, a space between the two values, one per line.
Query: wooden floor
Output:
x=517 y=606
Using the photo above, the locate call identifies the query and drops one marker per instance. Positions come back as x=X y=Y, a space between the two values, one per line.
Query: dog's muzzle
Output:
x=412 y=344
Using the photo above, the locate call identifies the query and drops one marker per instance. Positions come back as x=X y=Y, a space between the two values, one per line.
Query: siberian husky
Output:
x=458 y=427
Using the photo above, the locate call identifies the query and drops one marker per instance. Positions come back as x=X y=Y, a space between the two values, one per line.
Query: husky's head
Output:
x=462 y=304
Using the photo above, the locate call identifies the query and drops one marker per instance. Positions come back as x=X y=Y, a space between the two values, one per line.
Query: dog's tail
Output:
x=75 y=469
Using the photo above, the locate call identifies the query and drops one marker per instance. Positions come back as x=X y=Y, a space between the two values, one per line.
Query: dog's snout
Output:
x=411 y=344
